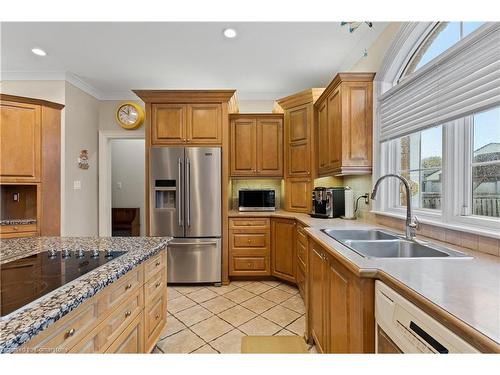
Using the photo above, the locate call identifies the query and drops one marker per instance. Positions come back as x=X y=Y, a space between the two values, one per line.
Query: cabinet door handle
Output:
x=128 y=286
x=15 y=228
x=70 y=332
x=128 y=313
x=157 y=316
x=157 y=284
x=158 y=263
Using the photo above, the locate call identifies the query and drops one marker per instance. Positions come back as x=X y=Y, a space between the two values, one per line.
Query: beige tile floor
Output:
x=206 y=319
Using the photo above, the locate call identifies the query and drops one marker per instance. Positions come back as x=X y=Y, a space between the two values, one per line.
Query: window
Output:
x=485 y=163
x=442 y=37
x=420 y=162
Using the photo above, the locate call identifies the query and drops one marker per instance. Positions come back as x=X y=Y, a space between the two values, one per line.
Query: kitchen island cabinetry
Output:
x=125 y=317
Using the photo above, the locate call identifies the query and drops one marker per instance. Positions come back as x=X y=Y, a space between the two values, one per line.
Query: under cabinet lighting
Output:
x=38 y=51
x=230 y=33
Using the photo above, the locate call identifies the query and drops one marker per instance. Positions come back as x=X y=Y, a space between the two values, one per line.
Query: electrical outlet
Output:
x=119 y=185
x=15 y=197
x=77 y=185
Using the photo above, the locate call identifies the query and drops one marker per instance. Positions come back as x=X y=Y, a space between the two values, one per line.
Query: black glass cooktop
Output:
x=27 y=279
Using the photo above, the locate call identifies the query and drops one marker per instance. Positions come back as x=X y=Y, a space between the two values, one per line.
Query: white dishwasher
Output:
x=401 y=327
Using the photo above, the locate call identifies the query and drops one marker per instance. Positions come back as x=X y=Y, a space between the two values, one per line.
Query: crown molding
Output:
x=53 y=76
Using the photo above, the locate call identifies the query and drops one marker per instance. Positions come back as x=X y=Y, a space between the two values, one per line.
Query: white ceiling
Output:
x=265 y=61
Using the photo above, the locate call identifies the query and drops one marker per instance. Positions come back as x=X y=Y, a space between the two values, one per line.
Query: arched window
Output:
x=438 y=124
x=443 y=36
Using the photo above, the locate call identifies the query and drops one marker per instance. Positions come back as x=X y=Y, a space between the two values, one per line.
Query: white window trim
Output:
x=456 y=155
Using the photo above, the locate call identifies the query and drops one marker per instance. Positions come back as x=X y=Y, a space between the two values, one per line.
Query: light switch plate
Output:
x=77 y=185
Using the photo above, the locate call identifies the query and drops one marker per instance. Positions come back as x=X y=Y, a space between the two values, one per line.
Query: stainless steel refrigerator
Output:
x=185 y=203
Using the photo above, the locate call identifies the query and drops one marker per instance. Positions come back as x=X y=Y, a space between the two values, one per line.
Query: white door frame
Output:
x=105 y=184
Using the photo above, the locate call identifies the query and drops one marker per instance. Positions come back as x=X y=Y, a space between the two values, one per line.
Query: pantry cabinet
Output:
x=257 y=145
x=341 y=305
x=299 y=148
x=343 y=116
x=283 y=253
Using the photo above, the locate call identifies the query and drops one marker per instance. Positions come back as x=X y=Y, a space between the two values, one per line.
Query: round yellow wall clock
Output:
x=130 y=115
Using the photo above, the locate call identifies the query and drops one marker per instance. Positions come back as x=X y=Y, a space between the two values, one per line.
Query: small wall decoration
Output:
x=83 y=159
x=130 y=115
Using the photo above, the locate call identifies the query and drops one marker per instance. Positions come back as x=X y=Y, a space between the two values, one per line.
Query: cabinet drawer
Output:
x=105 y=333
x=131 y=340
x=121 y=290
x=155 y=285
x=301 y=235
x=250 y=240
x=247 y=223
x=250 y=265
x=155 y=319
x=157 y=262
x=18 y=228
x=67 y=332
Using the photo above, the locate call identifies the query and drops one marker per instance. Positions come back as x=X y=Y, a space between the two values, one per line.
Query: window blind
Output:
x=464 y=80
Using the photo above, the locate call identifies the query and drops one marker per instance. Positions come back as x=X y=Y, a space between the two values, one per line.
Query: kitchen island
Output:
x=86 y=309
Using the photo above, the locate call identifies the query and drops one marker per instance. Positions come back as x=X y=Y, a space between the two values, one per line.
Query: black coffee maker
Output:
x=328 y=202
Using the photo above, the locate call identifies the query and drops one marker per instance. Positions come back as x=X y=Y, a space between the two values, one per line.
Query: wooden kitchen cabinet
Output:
x=317 y=296
x=299 y=148
x=127 y=316
x=343 y=114
x=249 y=247
x=20 y=141
x=191 y=124
x=30 y=152
x=341 y=305
x=283 y=254
x=257 y=145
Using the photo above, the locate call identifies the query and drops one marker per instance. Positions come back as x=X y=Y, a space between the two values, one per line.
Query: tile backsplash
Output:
x=275 y=184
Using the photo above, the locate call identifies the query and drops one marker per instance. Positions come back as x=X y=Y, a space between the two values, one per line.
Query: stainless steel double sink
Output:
x=376 y=243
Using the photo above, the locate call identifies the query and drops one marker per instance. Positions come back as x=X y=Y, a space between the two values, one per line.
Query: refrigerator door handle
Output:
x=179 y=192
x=188 y=190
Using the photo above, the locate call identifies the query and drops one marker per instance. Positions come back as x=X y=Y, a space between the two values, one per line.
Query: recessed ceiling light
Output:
x=230 y=33
x=38 y=51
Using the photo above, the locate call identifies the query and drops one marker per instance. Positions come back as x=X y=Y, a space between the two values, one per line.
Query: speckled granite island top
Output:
x=21 y=325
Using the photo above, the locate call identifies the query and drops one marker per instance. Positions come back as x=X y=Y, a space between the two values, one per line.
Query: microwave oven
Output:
x=256 y=200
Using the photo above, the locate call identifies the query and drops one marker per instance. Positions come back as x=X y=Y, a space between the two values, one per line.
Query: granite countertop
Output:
x=17 y=221
x=468 y=289
x=21 y=325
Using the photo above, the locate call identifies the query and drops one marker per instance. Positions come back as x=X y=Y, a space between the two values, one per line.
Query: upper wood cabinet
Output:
x=257 y=145
x=343 y=115
x=283 y=253
x=186 y=117
x=20 y=142
x=186 y=124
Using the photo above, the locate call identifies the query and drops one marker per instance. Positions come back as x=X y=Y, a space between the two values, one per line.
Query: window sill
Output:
x=461 y=228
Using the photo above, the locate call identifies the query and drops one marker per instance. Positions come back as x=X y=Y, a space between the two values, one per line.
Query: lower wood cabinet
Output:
x=128 y=316
x=283 y=258
x=249 y=247
x=341 y=306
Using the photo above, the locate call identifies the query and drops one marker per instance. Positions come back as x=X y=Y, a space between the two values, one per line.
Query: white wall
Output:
x=82 y=121
x=127 y=168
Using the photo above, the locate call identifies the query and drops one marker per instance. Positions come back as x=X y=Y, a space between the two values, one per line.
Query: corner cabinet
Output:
x=341 y=305
x=257 y=145
x=190 y=124
x=343 y=116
